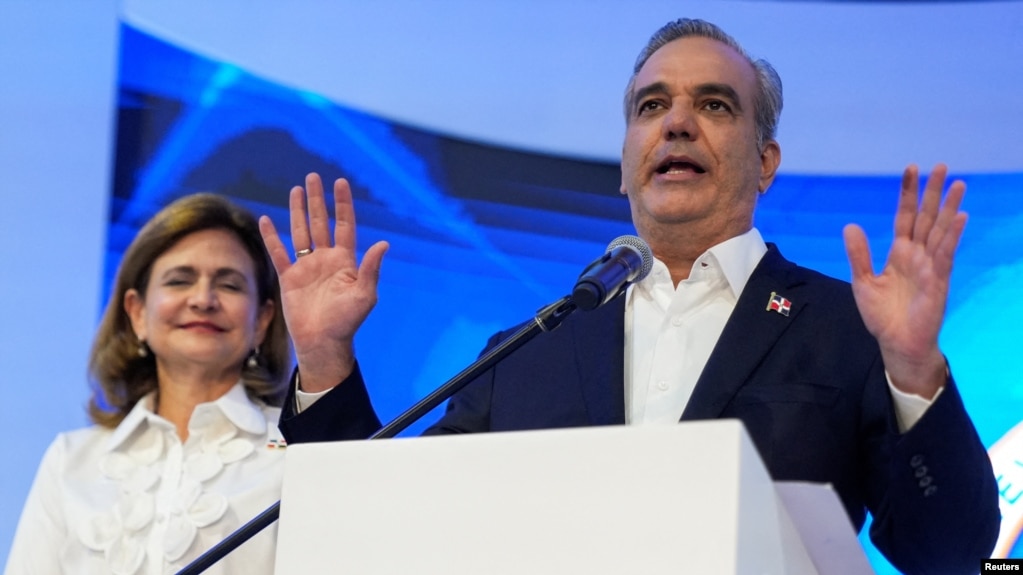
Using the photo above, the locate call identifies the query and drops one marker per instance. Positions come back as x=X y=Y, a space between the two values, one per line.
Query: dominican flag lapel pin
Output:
x=779 y=304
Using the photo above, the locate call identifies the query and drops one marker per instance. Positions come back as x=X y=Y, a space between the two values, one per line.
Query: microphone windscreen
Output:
x=641 y=246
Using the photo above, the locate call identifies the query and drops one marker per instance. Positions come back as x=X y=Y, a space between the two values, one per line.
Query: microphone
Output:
x=627 y=259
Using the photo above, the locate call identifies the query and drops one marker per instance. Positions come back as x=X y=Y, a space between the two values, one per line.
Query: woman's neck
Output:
x=180 y=392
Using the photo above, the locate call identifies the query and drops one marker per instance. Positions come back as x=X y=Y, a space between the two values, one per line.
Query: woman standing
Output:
x=189 y=366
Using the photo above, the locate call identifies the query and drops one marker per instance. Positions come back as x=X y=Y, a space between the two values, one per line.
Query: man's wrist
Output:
x=305 y=399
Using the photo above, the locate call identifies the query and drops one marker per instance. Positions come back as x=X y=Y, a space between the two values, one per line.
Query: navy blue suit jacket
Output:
x=809 y=387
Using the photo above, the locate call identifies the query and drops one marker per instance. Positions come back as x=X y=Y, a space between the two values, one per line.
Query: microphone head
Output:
x=640 y=246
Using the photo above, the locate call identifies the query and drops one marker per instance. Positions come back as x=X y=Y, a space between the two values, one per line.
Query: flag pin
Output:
x=779 y=304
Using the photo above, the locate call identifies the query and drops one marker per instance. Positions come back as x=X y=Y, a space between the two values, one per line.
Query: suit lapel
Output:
x=599 y=337
x=749 y=334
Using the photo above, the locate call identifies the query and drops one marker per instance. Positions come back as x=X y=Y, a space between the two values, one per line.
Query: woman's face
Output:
x=201 y=311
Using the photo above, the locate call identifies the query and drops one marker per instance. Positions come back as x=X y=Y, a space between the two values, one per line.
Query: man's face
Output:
x=690 y=163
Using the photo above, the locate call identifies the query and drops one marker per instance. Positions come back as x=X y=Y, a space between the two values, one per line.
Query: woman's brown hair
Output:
x=119 y=373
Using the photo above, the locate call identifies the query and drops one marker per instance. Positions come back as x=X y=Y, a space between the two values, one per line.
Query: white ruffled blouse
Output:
x=135 y=500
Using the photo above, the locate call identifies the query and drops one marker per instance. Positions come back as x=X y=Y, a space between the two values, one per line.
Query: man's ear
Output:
x=770 y=159
x=622 y=189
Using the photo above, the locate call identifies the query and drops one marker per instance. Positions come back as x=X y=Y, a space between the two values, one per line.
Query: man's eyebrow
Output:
x=642 y=93
x=709 y=89
x=723 y=90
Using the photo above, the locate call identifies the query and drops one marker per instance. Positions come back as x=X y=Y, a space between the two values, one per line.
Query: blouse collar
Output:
x=235 y=406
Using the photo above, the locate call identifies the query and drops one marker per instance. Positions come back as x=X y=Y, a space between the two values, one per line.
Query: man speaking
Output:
x=835 y=383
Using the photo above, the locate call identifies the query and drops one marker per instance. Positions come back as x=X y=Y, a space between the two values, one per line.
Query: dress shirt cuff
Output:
x=304 y=399
x=909 y=407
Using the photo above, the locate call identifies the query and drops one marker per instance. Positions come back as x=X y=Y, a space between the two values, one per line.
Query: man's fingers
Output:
x=945 y=252
x=300 y=239
x=927 y=213
x=319 y=218
x=344 y=212
x=905 y=215
x=858 y=251
x=369 y=269
x=946 y=217
x=274 y=246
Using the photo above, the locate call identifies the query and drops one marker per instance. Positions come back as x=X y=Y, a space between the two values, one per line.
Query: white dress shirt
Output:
x=134 y=499
x=670 y=332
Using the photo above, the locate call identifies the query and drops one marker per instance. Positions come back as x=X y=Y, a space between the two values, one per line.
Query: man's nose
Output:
x=680 y=122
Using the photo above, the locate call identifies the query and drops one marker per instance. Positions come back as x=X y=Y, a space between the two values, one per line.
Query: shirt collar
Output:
x=736 y=258
x=235 y=405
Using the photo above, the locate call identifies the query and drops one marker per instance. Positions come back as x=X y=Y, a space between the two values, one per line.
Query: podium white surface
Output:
x=691 y=498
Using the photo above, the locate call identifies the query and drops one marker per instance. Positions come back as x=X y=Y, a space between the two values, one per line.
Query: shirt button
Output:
x=676 y=321
x=662 y=385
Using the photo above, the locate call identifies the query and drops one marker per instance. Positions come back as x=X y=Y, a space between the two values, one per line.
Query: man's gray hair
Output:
x=767 y=101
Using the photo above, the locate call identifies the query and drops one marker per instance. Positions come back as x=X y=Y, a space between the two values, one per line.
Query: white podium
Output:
x=691 y=498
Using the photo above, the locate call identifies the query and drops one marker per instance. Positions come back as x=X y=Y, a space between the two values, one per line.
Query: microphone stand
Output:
x=546 y=319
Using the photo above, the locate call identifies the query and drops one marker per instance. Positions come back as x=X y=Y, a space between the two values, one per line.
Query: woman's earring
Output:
x=253 y=361
x=143 y=350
